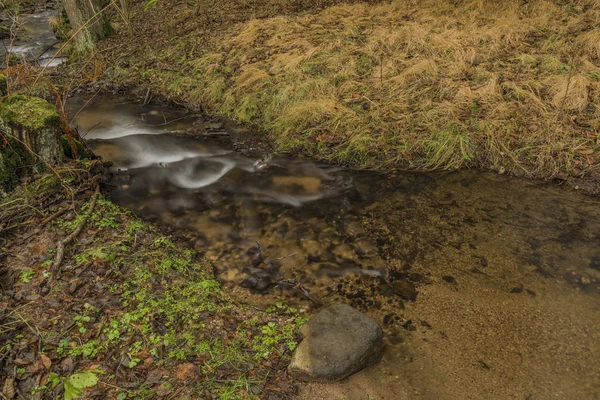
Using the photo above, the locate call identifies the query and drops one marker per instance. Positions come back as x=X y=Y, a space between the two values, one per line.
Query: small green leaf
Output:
x=71 y=392
x=77 y=383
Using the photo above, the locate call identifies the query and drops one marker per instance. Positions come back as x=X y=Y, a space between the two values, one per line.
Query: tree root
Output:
x=60 y=249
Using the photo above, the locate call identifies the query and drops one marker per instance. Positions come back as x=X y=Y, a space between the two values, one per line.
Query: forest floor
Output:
x=424 y=85
x=129 y=312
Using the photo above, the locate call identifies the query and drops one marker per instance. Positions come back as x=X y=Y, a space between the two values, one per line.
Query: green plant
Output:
x=76 y=384
x=88 y=350
x=113 y=331
x=134 y=226
x=265 y=344
x=80 y=321
x=27 y=275
x=53 y=379
x=164 y=242
x=282 y=308
x=62 y=345
x=133 y=362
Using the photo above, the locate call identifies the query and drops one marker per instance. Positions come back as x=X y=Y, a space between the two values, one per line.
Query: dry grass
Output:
x=420 y=84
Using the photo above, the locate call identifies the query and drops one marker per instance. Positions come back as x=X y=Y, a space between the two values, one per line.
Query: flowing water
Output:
x=33 y=39
x=474 y=276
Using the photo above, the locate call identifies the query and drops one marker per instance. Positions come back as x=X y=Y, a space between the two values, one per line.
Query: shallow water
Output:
x=417 y=251
x=337 y=221
x=34 y=40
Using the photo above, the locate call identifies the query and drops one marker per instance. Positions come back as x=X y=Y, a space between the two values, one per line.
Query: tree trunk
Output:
x=79 y=13
x=27 y=125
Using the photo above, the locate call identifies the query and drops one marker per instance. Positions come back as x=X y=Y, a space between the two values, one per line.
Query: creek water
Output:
x=463 y=269
x=178 y=170
x=33 y=39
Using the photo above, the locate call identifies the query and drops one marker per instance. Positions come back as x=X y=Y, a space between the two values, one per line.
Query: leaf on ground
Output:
x=84 y=380
x=77 y=383
x=71 y=392
x=45 y=361
x=9 y=388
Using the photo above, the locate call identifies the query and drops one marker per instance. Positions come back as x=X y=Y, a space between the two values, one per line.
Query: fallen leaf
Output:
x=585 y=152
x=186 y=371
x=9 y=388
x=34 y=368
x=67 y=365
x=45 y=361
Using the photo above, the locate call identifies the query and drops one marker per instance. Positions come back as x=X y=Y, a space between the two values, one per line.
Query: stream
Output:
x=33 y=40
x=178 y=170
x=487 y=286
x=463 y=269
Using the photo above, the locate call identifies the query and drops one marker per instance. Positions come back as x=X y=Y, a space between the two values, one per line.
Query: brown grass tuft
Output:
x=422 y=84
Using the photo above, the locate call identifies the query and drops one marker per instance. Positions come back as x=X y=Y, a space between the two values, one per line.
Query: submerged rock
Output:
x=406 y=290
x=338 y=342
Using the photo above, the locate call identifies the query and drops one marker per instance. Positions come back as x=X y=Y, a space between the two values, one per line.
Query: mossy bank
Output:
x=130 y=312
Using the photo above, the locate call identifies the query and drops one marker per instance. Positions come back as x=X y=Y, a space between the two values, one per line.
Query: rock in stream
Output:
x=338 y=342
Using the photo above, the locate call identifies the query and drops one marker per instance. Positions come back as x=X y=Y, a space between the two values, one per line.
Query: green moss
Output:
x=61 y=26
x=68 y=151
x=3 y=85
x=31 y=113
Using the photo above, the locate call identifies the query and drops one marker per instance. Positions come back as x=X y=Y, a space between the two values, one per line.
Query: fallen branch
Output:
x=60 y=249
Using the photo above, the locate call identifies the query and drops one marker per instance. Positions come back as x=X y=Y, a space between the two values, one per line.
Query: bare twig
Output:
x=89 y=130
x=281 y=258
x=44 y=222
x=60 y=250
x=148 y=97
x=564 y=99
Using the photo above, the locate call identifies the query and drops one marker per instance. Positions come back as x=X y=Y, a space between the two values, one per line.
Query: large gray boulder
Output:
x=338 y=342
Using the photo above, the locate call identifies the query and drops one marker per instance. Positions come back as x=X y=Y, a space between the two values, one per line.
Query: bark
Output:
x=30 y=136
x=82 y=11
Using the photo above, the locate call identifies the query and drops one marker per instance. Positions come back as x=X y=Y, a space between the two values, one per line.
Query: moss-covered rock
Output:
x=31 y=113
x=34 y=124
